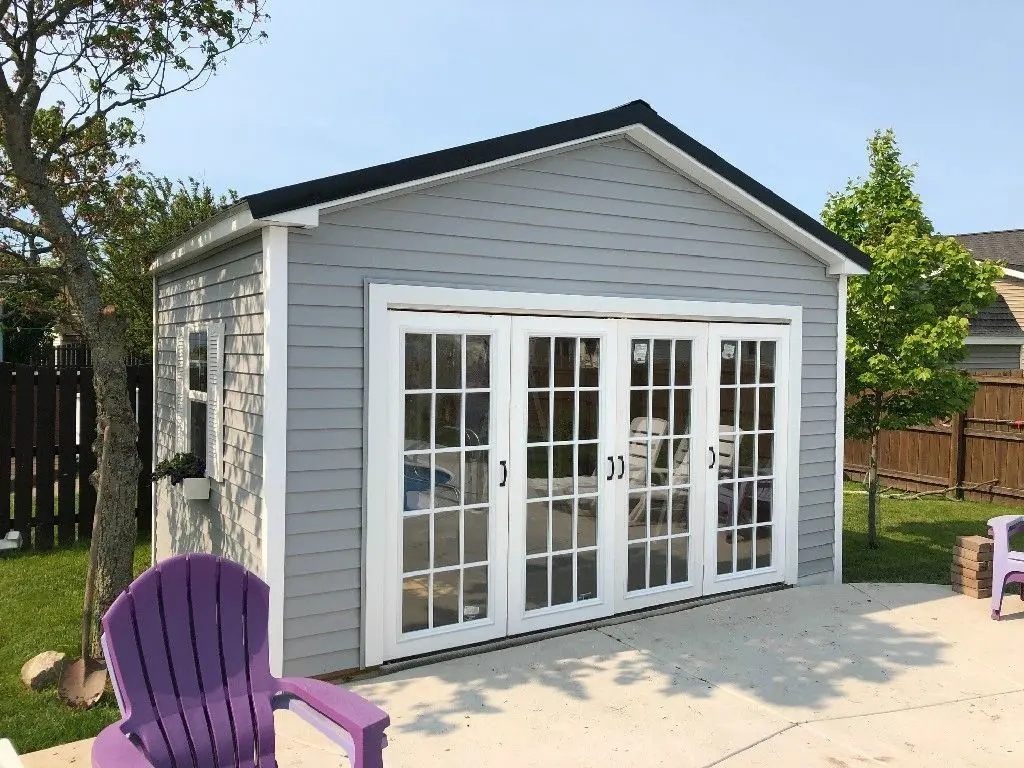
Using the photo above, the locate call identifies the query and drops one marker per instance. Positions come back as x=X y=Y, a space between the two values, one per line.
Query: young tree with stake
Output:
x=72 y=75
x=907 y=319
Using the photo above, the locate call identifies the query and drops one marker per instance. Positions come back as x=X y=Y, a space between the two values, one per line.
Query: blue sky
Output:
x=787 y=91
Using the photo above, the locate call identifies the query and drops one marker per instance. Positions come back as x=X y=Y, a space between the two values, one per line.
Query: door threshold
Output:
x=568 y=629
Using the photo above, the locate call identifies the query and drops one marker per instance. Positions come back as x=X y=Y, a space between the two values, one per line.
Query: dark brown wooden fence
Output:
x=47 y=428
x=981 y=451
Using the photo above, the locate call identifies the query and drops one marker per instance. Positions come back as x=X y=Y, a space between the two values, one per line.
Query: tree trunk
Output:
x=872 y=479
x=111 y=553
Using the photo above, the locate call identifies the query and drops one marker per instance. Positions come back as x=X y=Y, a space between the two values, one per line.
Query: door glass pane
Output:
x=449 y=361
x=562 y=590
x=658 y=563
x=764 y=546
x=564 y=470
x=415 y=603
x=679 y=548
x=447 y=420
x=586 y=575
x=475 y=527
x=590 y=362
x=660 y=406
x=746 y=393
x=446 y=494
x=478 y=418
x=474 y=593
x=477 y=478
x=446 y=598
x=539 y=364
x=416 y=543
x=565 y=362
x=478 y=362
x=419 y=361
x=537 y=583
x=565 y=416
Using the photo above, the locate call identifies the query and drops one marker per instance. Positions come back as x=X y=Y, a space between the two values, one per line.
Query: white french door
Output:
x=551 y=470
x=660 y=423
x=563 y=459
x=447 y=511
x=748 y=396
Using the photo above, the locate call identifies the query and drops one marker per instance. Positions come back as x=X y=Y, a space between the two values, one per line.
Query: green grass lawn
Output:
x=916 y=537
x=40 y=610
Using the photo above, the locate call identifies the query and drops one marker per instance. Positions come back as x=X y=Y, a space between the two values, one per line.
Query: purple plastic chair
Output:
x=1007 y=566
x=186 y=646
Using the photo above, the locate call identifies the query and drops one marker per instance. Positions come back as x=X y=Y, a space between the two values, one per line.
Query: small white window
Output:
x=200 y=356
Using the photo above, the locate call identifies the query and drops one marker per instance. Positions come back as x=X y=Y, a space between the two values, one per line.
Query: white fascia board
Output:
x=991 y=341
x=235 y=222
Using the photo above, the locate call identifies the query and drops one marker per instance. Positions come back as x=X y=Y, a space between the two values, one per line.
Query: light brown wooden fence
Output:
x=981 y=451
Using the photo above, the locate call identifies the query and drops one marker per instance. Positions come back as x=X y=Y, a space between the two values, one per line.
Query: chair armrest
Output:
x=112 y=749
x=349 y=710
x=8 y=757
x=1002 y=528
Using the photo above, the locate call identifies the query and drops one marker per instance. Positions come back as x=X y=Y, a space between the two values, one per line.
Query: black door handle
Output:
x=611 y=471
x=622 y=467
x=504 y=474
x=713 y=458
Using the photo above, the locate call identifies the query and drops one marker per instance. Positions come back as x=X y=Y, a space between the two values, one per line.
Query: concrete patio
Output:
x=866 y=674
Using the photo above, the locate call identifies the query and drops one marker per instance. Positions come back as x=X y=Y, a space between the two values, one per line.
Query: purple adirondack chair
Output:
x=1007 y=565
x=186 y=646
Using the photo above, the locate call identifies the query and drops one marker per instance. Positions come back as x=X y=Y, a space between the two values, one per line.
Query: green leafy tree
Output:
x=152 y=212
x=73 y=75
x=908 y=319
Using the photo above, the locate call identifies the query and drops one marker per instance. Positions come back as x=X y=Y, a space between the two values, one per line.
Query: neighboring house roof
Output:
x=1005 y=245
x=1004 y=317
x=300 y=204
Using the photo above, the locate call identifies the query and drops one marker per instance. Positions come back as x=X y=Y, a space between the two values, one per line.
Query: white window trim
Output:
x=384 y=297
x=214 y=458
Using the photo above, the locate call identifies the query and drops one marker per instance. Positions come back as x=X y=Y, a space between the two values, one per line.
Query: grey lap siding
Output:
x=605 y=219
x=226 y=286
x=993 y=357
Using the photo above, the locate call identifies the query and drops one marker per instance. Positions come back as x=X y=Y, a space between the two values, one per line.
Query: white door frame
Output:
x=379 y=404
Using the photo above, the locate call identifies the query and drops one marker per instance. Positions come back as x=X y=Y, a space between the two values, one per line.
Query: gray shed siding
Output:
x=605 y=219
x=993 y=357
x=225 y=286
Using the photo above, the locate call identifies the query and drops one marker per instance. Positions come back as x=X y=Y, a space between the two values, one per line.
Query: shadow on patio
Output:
x=796 y=653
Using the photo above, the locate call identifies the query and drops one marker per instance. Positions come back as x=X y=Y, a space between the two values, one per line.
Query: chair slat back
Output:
x=187 y=646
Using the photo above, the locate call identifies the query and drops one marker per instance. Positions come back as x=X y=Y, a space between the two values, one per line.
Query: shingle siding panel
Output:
x=566 y=224
x=225 y=286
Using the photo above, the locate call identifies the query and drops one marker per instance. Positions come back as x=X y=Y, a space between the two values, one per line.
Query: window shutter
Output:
x=181 y=414
x=215 y=401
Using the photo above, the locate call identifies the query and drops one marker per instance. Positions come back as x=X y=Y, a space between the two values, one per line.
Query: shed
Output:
x=581 y=370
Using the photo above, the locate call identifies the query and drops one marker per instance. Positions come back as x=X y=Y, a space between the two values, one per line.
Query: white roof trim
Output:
x=238 y=221
x=989 y=341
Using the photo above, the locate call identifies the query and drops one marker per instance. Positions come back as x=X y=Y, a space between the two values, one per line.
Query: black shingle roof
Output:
x=411 y=169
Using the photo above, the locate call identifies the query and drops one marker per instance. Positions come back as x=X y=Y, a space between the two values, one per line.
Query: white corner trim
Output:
x=989 y=341
x=794 y=416
x=275 y=429
x=1007 y=272
x=837 y=547
x=375 y=536
x=685 y=164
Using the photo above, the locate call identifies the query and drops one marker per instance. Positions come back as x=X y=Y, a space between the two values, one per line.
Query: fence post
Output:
x=957 y=443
